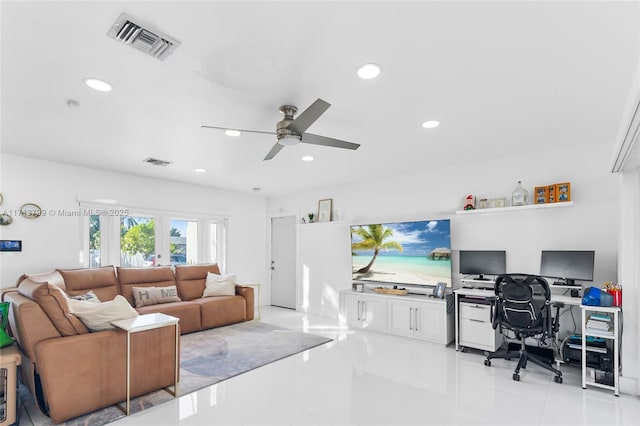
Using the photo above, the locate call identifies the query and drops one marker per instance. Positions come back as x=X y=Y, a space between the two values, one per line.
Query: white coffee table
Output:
x=143 y=323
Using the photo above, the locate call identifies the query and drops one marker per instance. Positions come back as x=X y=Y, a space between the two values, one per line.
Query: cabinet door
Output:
x=375 y=313
x=352 y=309
x=401 y=317
x=430 y=321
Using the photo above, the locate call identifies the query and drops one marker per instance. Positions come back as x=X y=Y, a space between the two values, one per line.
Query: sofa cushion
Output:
x=98 y=316
x=102 y=281
x=187 y=312
x=191 y=279
x=161 y=276
x=54 y=303
x=220 y=285
x=51 y=277
x=222 y=310
x=144 y=296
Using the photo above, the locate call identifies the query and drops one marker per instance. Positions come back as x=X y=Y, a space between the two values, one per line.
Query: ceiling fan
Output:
x=291 y=131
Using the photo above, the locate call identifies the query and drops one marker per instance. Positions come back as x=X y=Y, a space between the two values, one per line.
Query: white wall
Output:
x=54 y=241
x=592 y=224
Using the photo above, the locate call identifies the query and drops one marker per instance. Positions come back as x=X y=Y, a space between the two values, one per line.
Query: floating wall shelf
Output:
x=517 y=208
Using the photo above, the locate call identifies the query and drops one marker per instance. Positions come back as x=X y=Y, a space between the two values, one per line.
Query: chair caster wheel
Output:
x=516 y=377
x=487 y=363
x=557 y=379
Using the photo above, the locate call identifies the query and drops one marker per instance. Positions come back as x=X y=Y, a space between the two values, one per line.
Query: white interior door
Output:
x=283 y=261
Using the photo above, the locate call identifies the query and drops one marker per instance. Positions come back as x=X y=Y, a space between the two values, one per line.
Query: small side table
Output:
x=142 y=323
x=10 y=359
x=256 y=300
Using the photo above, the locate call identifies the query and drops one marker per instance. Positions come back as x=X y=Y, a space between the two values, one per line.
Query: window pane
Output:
x=213 y=242
x=137 y=241
x=94 y=241
x=183 y=245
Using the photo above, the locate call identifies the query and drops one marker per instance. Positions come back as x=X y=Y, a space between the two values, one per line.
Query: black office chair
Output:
x=523 y=305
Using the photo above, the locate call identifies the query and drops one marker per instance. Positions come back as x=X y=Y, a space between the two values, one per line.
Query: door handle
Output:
x=415 y=322
x=410 y=315
x=359 y=309
x=273 y=265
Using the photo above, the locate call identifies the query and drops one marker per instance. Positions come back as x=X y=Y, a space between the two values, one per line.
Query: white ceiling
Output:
x=502 y=77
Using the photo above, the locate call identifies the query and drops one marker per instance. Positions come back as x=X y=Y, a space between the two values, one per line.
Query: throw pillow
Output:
x=219 y=285
x=54 y=303
x=52 y=277
x=87 y=297
x=144 y=296
x=98 y=316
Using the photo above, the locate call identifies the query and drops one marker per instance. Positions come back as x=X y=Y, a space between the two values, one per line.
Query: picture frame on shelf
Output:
x=563 y=192
x=325 y=209
x=541 y=194
x=497 y=202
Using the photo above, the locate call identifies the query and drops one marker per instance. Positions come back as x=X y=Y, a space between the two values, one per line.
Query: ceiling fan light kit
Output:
x=291 y=131
x=289 y=140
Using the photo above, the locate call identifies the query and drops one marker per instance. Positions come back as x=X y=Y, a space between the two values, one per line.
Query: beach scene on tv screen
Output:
x=416 y=253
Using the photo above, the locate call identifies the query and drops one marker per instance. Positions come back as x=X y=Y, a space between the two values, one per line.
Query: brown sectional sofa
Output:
x=71 y=371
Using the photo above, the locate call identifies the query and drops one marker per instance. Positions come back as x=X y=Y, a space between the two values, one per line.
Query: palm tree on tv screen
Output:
x=373 y=238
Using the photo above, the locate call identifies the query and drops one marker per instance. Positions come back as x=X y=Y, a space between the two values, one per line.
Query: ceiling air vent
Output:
x=156 y=162
x=148 y=40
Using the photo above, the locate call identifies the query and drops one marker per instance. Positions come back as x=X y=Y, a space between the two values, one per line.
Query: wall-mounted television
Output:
x=568 y=265
x=412 y=253
x=483 y=262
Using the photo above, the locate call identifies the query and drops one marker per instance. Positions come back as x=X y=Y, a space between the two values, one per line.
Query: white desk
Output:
x=142 y=323
x=489 y=293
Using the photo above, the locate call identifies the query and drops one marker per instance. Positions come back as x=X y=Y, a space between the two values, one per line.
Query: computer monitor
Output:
x=567 y=265
x=483 y=262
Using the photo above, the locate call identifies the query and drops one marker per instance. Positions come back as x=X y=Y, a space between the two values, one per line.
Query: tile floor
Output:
x=369 y=378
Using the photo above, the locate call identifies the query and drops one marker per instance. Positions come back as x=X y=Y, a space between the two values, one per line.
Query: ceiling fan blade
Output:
x=322 y=140
x=309 y=116
x=240 y=130
x=276 y=149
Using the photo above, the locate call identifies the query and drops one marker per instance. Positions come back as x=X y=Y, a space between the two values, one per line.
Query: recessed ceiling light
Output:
x=199 y=170
x=430 y=124
x=369 y=71
x=307 y=158
x=232 y=133
x=97 y=84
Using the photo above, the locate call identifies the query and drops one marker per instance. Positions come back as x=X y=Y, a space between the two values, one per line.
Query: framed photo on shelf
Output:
x=497 y=202
x=325 y=207
x=563 y=192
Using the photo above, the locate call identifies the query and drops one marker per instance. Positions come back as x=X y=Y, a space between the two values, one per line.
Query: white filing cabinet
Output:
x=476 y=330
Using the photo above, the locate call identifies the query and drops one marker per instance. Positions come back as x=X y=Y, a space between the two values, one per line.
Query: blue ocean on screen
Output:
x=406 y=269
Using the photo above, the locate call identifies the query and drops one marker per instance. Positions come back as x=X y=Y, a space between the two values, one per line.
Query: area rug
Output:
x=206 y=357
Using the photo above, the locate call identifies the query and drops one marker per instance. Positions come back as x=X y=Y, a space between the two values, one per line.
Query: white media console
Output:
x=417 y=316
